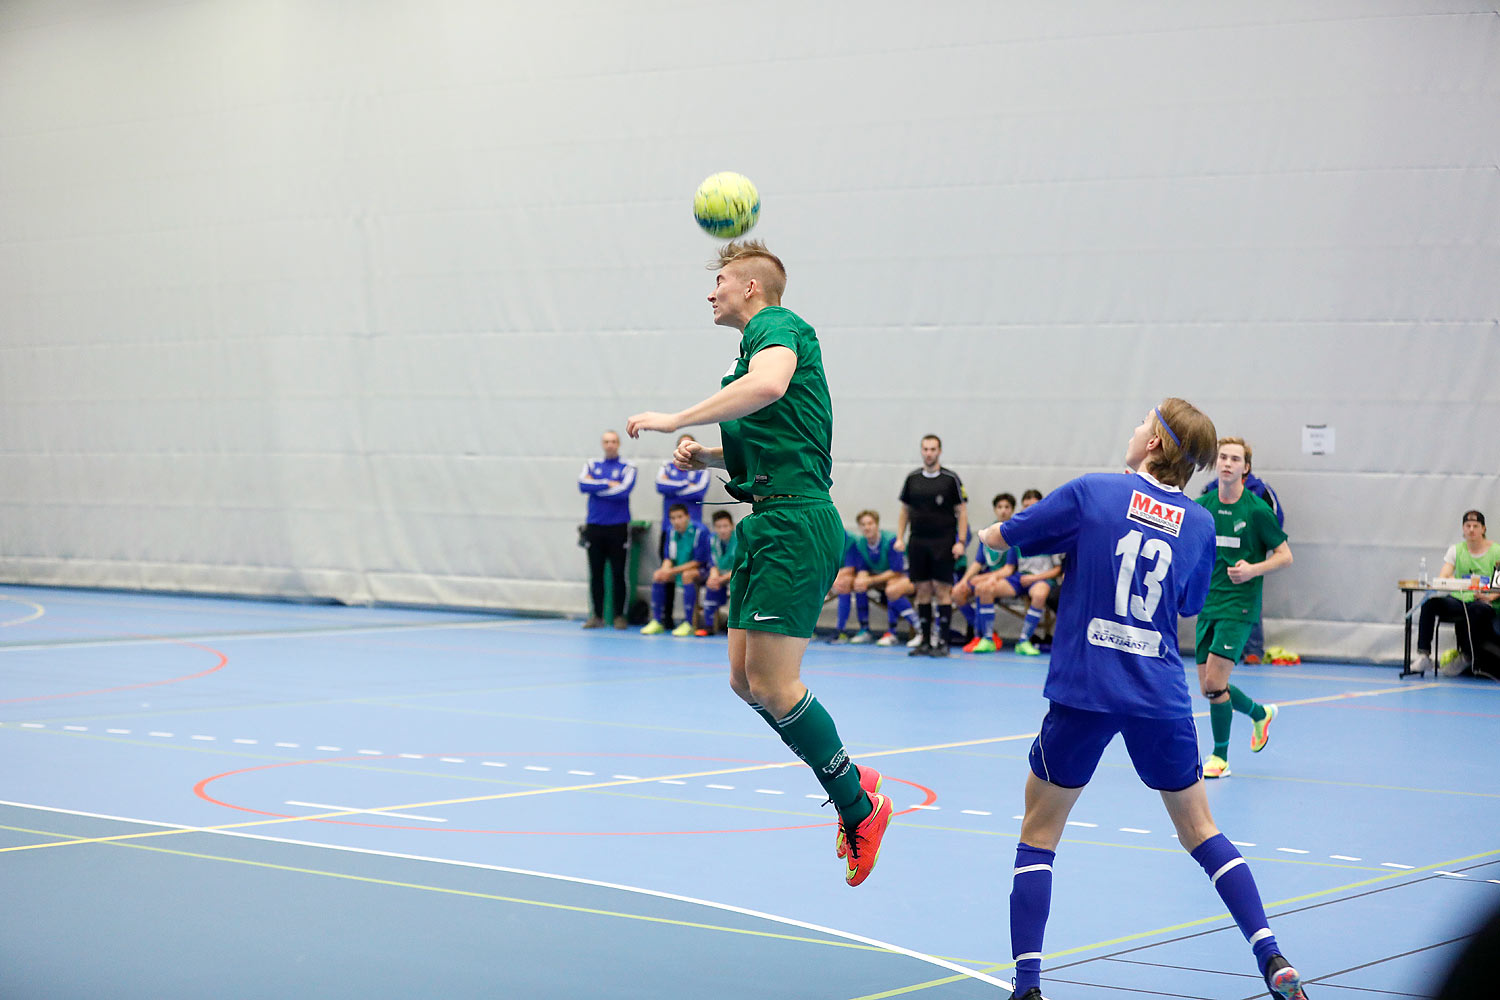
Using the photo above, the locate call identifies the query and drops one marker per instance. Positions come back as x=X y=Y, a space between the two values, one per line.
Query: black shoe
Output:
x=1282 y=980
x=1035 y=993
x=939 y=650
x=922 y=650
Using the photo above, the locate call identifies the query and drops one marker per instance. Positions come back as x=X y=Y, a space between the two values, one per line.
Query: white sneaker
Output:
x=1421 y=664
x=914 y=641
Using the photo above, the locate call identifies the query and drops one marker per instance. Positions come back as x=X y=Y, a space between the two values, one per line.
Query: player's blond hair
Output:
x=864 y=514
x=1188 y=441
x=760 y=263
x=1241 y=442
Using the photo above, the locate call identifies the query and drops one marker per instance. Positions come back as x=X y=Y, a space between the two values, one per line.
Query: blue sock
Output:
x=1030 y=902
x=713 y=600
x=901 y=607
x=986 y=620
x=1222 y=862
x=969 y=616
x=1033 y=619
x=689 y=601
x=658 y=602
x=843 y=622
x=862 y=610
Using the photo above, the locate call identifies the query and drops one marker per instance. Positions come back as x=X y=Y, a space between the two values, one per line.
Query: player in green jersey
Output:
x=1250 y=545
x=775 y=419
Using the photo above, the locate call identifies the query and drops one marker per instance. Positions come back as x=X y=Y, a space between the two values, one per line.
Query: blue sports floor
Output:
x=222 y=799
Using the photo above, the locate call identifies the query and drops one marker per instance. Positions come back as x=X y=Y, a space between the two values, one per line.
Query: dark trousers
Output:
x=1471 y=620
x=607 y=544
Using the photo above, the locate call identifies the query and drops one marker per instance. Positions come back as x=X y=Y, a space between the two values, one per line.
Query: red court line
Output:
x=134 y=687
x=201 y=790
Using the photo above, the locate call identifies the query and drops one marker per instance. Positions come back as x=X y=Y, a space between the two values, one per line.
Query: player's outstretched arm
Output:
x=770 y=373
x=994 y=537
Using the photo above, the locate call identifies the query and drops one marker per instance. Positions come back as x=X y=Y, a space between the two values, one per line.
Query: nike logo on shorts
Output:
x=765 y=618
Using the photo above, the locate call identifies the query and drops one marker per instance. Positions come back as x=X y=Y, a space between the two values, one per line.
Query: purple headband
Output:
x=1167 y=427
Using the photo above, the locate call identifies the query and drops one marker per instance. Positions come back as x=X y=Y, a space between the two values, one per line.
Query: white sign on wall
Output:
x=1317 y=439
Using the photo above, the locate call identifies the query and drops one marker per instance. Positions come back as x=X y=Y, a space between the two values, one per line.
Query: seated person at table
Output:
x=1471 y=612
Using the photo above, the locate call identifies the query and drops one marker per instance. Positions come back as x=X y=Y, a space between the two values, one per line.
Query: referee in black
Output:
x=934 y=503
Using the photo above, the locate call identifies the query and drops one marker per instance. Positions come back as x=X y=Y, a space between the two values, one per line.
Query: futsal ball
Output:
x=726 y=205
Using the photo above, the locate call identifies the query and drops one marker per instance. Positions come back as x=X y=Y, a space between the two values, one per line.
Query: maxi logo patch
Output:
x=1146 y=509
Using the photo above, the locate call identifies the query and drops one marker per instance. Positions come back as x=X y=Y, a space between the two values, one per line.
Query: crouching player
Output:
x=872 y=565
x=722 y=550
x=1141 y=554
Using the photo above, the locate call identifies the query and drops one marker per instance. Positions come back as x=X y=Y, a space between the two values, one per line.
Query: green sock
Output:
x=809 y=732
x=1246 y=705
x=1221 y=718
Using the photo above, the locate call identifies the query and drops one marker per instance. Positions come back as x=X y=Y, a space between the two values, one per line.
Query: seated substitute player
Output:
x=1036 y=578
x=723 y=548
x=873 y=564
x=775 y=417
x=1142 y=554
x=978 y=585
x=687 y=488
x=688 y=555
x=1250 y=545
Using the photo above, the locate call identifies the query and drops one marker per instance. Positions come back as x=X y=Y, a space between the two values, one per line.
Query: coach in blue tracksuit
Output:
x=608 y=482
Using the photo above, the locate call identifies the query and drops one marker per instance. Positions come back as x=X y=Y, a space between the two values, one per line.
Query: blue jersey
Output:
x=877 y=558
x=680 y=486
x=607 y=504
x=690 y=545
x=1139 y=555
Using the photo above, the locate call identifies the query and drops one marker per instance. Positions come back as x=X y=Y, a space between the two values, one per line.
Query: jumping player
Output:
x=1139 y=555
x=776 y=421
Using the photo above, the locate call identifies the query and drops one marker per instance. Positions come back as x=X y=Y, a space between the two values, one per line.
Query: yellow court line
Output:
x=37 y=613
x=482 y=895
x=1000 y=967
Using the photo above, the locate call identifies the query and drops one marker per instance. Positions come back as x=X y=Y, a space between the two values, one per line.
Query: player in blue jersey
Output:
x=688 y=556
x=974 y=594
x=723 y=550
x=1139 y=554
x=873 y=565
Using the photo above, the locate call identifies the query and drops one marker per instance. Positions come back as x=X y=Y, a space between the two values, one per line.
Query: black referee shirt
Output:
x=932 y=503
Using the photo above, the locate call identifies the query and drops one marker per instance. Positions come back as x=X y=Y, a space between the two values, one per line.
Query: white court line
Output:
x=257 y=636
x=1132 y=829
x=29 y=618
x=725 y=907
x=372 y=812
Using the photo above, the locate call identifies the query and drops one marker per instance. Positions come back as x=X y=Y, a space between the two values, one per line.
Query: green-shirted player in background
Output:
x=776 y=422
x=1250 y=545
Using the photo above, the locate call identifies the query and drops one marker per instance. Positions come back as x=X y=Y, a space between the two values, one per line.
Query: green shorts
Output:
x=1224 y=637
x=789 y=553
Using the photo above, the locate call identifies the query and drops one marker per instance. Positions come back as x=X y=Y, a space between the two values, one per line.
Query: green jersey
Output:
x=724 y=552
x=1467 y=564
x=785 y=448
x=1245 y=529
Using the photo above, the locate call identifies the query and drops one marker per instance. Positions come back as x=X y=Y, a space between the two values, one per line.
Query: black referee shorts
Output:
x=930 y=559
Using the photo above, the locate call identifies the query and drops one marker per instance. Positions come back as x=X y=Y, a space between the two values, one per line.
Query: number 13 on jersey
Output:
x=1131 y=551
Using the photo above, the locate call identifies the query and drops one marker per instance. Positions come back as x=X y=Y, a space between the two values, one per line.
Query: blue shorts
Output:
x=1164 y=751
